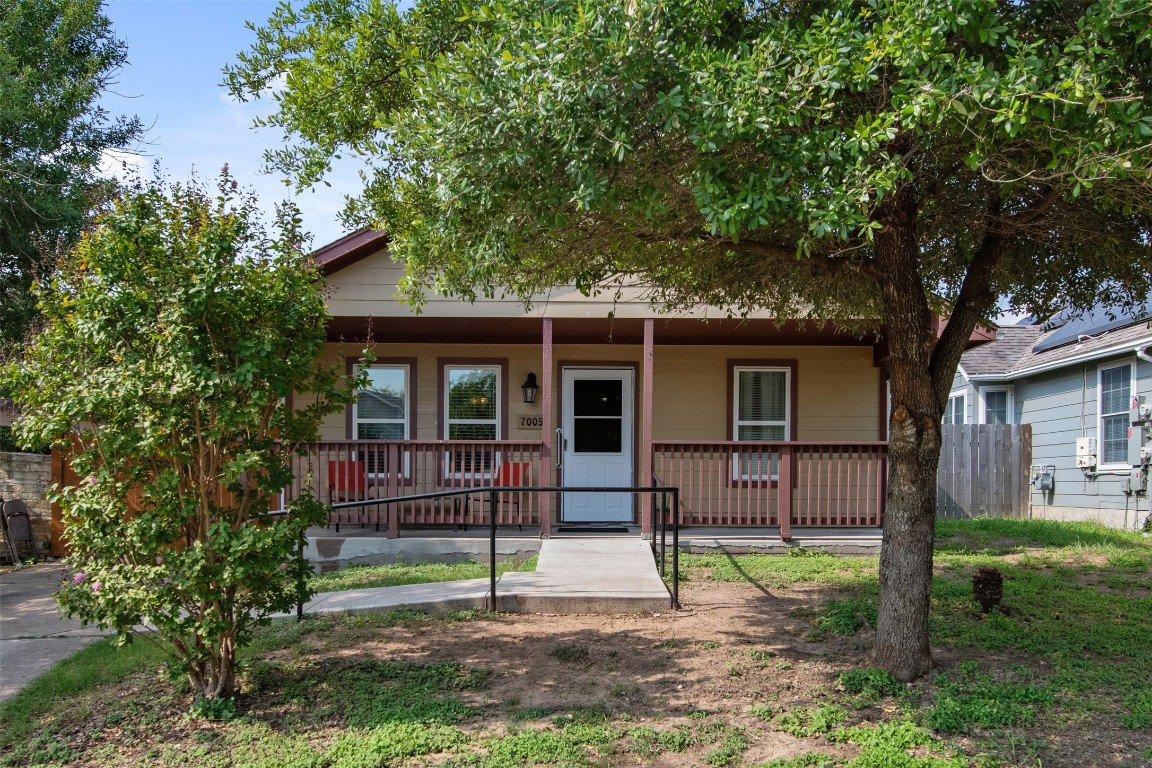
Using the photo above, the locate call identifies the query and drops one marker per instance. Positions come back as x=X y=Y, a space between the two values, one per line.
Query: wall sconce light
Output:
x=530 y=388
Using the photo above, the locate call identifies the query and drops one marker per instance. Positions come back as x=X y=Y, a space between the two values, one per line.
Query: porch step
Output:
x=573 y=575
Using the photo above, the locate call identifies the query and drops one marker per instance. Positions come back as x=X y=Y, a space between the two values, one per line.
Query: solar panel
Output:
x=1097 y=321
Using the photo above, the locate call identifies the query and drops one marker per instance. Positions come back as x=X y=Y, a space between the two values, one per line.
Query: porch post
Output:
x=646 y=428
x=544 y=471
x=784 y=493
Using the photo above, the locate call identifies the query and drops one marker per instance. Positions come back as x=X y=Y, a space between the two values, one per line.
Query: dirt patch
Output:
x=734 y=648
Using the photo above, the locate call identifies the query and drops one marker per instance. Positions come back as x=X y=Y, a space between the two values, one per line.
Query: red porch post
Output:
x=784 y=493
x=646 y=428
x=544 y=471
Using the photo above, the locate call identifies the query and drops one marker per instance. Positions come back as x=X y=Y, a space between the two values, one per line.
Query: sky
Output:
x=172 y=81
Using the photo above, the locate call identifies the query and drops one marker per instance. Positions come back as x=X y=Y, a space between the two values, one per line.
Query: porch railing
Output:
x=775 y=483
x=350 y=470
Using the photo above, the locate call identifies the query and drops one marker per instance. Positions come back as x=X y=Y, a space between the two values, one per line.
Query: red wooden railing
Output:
x=353 y=470
x=775 y=483
x=729 y=483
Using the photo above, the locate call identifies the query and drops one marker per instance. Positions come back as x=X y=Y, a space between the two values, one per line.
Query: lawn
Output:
x=765 y=666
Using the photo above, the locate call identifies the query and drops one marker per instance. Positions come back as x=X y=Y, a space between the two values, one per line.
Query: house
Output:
x=756 y=423
x=1080 y=382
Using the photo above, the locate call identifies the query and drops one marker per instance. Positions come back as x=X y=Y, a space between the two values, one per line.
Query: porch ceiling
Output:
x=529 y=330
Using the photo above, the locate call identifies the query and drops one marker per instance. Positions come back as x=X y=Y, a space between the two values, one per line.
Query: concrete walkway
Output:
x=573 y=575
x=33 y=635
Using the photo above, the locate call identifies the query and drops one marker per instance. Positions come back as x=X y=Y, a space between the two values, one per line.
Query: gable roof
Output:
x=1022 y=350
x=998 y=357
x=348 y=250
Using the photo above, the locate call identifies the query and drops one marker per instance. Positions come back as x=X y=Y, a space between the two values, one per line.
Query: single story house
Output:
x=1085 y=386
x=756 y=422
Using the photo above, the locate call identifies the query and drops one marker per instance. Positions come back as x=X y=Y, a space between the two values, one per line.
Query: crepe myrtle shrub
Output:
x=175 y=332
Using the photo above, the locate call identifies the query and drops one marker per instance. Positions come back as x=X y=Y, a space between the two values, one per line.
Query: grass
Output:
x=1069 y=652
x=400 y=574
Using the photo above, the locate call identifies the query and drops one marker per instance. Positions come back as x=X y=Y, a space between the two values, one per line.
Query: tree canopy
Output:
x=56 y=58
x=872 y=162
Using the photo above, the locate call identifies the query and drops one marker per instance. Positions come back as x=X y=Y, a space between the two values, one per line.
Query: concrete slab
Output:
x=329 y=551
x=574 y=575
x=33 y=634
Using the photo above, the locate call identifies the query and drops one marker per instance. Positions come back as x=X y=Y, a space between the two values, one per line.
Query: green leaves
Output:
x=175 y=329
x=56 y=57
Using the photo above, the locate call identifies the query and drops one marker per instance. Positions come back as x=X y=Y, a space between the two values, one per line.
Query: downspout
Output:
x=1142 y=353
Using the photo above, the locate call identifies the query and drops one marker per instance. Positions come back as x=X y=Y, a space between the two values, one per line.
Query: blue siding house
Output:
x=1085 y=386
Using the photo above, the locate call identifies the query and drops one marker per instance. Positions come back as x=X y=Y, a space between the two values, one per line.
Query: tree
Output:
x=56 y=58
x=175 y=332
x=876 y=163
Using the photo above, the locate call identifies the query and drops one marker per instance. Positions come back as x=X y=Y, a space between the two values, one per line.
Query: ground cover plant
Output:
x=765 y=667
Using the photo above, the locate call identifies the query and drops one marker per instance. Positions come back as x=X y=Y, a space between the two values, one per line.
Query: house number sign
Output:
x=531 y=421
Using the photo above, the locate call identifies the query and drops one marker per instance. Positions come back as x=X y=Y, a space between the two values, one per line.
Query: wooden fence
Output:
x=984 y=471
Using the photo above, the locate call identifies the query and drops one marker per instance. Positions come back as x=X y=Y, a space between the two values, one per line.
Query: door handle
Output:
x=561 y=446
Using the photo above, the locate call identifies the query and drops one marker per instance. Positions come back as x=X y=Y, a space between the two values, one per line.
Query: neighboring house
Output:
x=757 y=423
x=1079 y=383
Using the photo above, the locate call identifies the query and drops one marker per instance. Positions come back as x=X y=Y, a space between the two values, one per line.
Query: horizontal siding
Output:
x=368 y=289
x=838 y=386
x=1061 y=407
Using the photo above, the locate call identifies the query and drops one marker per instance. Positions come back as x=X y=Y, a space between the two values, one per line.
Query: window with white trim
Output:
x=761 y=411
x=472 y=412
x=381 y=409
x=1115 y=388
x=996 y=405
x=955 y=410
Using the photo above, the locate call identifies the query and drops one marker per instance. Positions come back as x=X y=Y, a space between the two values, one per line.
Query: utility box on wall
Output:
x=1085 y=452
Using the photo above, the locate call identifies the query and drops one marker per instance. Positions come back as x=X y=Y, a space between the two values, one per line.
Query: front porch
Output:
x=729 y=485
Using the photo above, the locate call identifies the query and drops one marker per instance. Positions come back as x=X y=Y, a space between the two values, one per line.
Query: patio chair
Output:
x=17 y=529
x=509 y=474
x=348 y=481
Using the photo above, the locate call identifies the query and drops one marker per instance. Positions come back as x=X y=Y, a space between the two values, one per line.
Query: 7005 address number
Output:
x=531 y=421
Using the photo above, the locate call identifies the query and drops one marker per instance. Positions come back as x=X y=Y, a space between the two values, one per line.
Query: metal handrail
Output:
x=493 y=494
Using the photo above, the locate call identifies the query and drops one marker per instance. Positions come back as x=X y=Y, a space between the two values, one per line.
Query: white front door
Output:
x=597 y=449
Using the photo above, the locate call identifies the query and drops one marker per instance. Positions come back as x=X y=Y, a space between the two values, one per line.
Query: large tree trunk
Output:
x=913 y=454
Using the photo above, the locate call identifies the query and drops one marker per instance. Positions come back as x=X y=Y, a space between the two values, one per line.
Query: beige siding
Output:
x=838 y=387
x=368 y=289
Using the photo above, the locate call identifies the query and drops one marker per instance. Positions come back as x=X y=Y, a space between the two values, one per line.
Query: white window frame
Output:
x=356 y=420
x=1009 y=403
x=738 y=464
x=1100 y=415
x=407 y=420
x=492 y=461
x=963 y=395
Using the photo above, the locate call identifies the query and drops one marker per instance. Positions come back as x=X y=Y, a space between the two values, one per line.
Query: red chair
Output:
x=347 y=481
x=511 y=474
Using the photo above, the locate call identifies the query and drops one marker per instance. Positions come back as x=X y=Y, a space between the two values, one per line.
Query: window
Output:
x=956 y=408
x=997 y=406
x=381 y=409
x=472 y=412
x=761 y=412
x=1115 y=398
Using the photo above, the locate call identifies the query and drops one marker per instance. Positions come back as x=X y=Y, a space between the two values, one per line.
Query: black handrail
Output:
x=493 y=492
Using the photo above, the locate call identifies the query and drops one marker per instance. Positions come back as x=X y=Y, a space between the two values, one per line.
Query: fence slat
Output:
x=983 y=471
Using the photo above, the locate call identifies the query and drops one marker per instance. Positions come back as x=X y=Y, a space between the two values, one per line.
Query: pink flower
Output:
x=159 y=560
x=95 y=586
x=90 y=480
x=282 y=567
x=79 y=577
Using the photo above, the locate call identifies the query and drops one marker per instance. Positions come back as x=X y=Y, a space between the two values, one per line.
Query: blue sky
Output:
x=176 y=51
